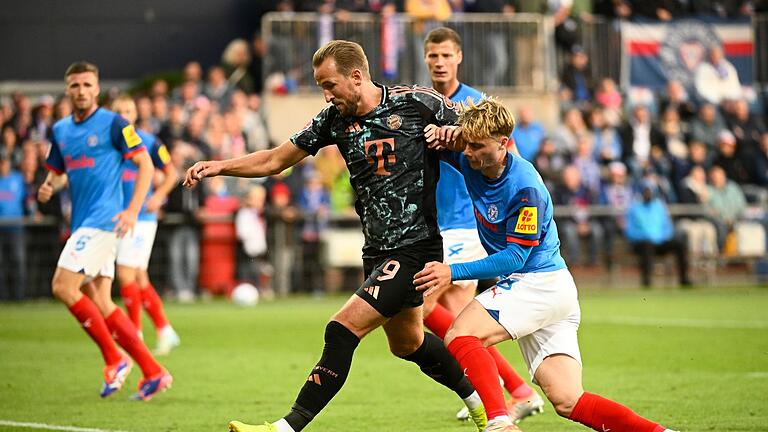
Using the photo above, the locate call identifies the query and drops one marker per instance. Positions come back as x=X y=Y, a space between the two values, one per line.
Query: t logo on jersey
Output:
x=527 y=222
x=131 y=137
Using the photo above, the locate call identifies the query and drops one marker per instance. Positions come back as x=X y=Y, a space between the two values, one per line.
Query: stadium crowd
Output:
x=706 y=145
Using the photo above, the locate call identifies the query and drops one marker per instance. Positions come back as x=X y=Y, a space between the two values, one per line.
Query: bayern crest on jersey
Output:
x=394 y=121
x=493 y=213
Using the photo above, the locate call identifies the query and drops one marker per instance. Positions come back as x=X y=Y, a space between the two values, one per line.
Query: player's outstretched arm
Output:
x=53 y=183
x=261 y=163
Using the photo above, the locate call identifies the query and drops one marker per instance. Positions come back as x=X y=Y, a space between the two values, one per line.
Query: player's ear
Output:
x=460 y=56
x=357 y=76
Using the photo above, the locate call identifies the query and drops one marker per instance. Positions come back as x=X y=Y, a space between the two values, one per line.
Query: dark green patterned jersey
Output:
x=393 y=173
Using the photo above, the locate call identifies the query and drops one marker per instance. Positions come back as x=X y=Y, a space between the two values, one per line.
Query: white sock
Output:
x=473 y=401
x=283 y=426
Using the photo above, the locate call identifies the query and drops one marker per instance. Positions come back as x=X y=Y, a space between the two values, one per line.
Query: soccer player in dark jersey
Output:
x=87 y=151
x=535 y=300
x=461 y=243
x=379 y=132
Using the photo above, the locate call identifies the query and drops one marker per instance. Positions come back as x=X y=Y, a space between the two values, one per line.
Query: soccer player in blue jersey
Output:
x=133 y=252
x=535 y=301
x=379 y=132
x=87 y=152
x=443 y=55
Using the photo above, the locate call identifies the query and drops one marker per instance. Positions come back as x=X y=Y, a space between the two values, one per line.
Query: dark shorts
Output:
x=389 y=287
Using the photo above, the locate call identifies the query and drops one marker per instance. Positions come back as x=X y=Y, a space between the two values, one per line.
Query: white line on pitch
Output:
x=52 y=427
x=679 y=322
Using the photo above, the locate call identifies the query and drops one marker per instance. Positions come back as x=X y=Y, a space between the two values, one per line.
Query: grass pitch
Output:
x=694 y=360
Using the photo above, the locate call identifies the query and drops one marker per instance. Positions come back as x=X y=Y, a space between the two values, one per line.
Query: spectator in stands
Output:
x=258 y=52
x=609 y=98
x=706 y=127
x=9 y=145
x=613 y=8
x=676 y=98
x=550 y=163
x=251 y=228
x=425 y=16
x=42 y=118
x=528 y=133
x=173 y=128
x=700 y=231
x=663 y=10
x=577 y=226
x=159 y=110
x=187 y=94
x=761 y=162
x=567 y=133
x=236 y=61
x=650 y=232
x=62 y=108
x=747 y=128
x=722 y=8
x=606 y=141
x=735 y=166
x=217 y=87
x=726 y=202
x=577 y=78
x=587 y=165
x=314 y=203
x=673 y=136
x=616 y=193
x=717 y=79
x=194 y=134
x=235 y=142
x=184 y=237
x=159 y=88
x=638 y=136
x=13 y=257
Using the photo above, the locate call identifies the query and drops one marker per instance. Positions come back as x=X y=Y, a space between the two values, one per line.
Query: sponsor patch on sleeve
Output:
x=527 y=222
x=132 y=139
x=164 y=155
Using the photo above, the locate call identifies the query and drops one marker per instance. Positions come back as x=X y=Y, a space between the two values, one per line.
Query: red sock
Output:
x=481 y=370
x=154 y=306
x=127 y=336
x=132 y=300
x=439 y=320
x=93 y=323
x=603 y=414
x=512 y=380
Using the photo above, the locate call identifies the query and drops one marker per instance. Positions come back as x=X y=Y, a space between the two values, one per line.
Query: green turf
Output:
x=695 y=360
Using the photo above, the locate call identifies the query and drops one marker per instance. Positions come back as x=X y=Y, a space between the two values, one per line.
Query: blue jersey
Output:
x=160 y=159
x=12 y=194
x=514 y=208
x=91 y=153
x=454 y=207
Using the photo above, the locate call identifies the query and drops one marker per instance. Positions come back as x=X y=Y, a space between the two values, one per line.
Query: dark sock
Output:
x=437 y=363
x=327 y=377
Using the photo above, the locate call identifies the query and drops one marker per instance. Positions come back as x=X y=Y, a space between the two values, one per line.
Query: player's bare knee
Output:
x=562 y=401
x=405 y=347
x=62 y=291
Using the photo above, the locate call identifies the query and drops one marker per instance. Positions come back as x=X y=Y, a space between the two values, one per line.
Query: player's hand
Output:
x=201 y=170
x=442 y=137
x=433 y=277
x=154 y=203
x=45 y=192
x=125 y=221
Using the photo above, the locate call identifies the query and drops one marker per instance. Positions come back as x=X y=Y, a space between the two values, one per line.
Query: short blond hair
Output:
x=488 y=119
x=348 y=56
x=123 y=98
x=81 y=67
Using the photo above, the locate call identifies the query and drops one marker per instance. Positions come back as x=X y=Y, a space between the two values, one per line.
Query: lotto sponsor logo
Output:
x=527 y=222
x=132 y=139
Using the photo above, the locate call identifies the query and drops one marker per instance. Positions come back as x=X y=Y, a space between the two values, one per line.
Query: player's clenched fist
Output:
x=201 y=170
x=45 y=192
x=443 y=137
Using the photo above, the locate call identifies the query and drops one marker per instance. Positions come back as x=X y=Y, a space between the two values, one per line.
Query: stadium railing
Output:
x=503 y=53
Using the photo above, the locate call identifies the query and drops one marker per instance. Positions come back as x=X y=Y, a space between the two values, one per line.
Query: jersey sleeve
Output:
x=316 y=134
x=54 y=161
x=125 y=139
x=434 y=107
x=160 y=155
x=526 y=210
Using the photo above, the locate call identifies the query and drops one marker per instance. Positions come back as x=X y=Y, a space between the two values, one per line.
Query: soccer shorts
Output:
x=135 y=250
x=540 y=310
x=460 y=246
x=389 y=287
x=90 y=251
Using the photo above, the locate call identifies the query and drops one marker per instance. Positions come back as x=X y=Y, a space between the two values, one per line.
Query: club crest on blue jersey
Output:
x=93 y=140
x=493 y=213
